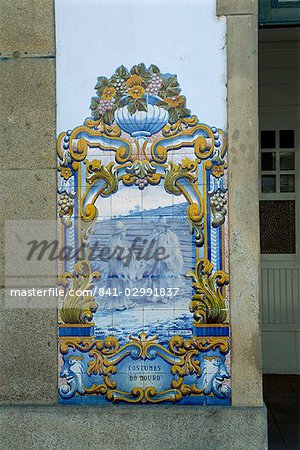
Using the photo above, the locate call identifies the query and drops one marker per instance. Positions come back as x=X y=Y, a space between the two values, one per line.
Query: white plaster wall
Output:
x=183 y=37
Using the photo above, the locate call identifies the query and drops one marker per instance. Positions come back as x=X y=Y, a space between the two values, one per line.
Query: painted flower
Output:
x=134 y=80
x=137 y=92
x=218 y=171
x=109 y=93
x=177 y=100
x=65 y=172
x=128 y=87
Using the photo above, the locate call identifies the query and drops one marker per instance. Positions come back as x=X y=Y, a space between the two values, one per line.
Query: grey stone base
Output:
x=136 y=427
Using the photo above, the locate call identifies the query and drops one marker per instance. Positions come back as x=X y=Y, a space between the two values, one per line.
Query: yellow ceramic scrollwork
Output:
x=77 y=306
x=180 y=125
x=104 y=128
x=209 y=301
x=180 y=346
x=213 y=343
x=97 y=173
x=175 y=172
x=107 y=173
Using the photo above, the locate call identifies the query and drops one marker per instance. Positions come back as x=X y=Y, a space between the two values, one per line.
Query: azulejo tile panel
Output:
x=142 y=209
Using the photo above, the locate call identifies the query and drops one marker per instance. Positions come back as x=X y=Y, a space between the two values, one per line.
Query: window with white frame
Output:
x=278 y=196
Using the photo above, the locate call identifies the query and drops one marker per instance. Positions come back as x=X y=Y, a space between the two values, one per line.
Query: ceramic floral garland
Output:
x=130 y=88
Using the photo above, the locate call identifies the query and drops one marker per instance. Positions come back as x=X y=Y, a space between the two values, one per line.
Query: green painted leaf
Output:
x=131 y=108
x=120 y=103
x=94 y=102
x=141 y=105
x=108 y=117
x=142 y=67
x=173 y=115
x=122 y=72
x=184 y=112
x=141 y=71
x=154 y=69
x=102 y=83
x=101 y=88
x=161 y=103
x=170 y=82
x=173 y=91
x=102 y=79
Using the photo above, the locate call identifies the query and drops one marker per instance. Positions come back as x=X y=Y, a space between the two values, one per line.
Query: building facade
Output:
x=34 y=81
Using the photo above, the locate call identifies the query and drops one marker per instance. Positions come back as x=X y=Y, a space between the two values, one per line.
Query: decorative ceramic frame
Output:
x=186 y=157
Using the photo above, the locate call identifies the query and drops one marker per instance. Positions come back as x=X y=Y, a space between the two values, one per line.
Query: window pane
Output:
x=287 y=138
x=287 y=161
x=268 y=161
x=277 y=226
x=268 y=139
x=268 y=183
x=287 y=183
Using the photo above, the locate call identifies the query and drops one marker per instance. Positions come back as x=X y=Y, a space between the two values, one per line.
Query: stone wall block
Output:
x=27 y=113
x=232 y=7
x=27 y=28
x=28 y=354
